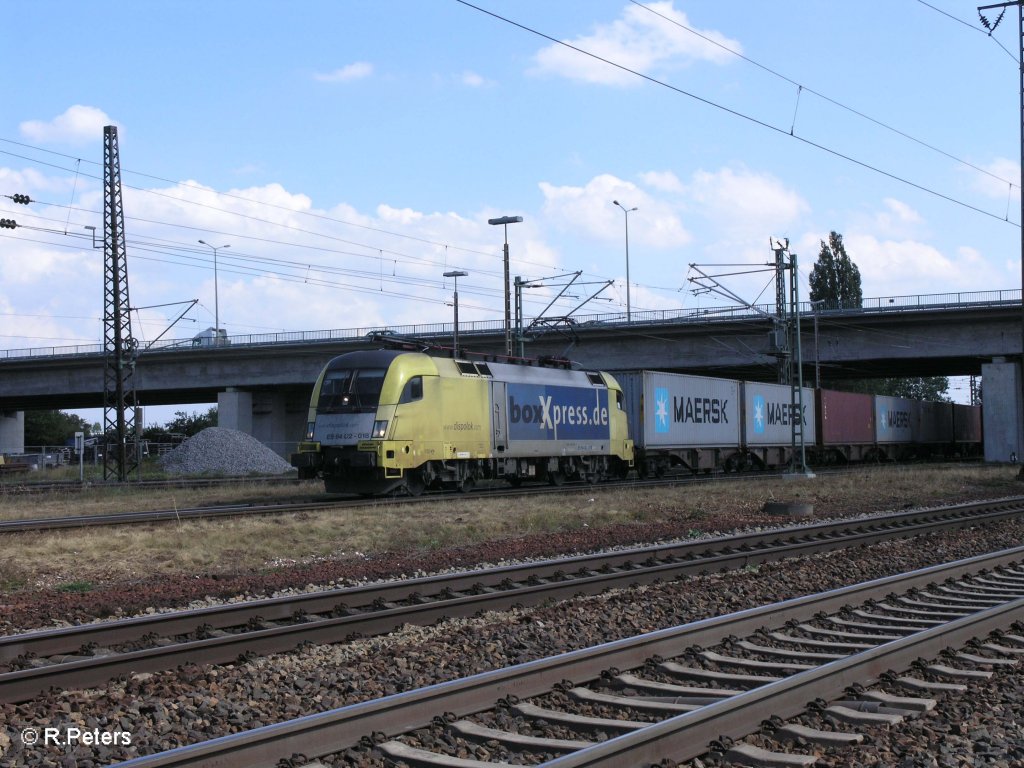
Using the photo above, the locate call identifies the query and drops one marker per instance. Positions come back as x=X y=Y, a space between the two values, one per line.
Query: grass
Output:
x=79 y=560
x=75 y=586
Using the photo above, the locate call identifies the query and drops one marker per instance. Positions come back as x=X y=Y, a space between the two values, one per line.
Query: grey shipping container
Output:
x=895 y=420
x=669 y=410
x=768 y=414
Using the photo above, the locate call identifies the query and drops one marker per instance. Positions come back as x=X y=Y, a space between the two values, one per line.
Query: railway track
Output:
x=678 y=693
x=235 y=510
x=162 y=515
x=16 y=487
x=90 y=654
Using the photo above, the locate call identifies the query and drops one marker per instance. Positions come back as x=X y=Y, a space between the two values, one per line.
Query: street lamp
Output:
x=456 y=273
x=505 y=221
x=216 y=303
x=627 y=211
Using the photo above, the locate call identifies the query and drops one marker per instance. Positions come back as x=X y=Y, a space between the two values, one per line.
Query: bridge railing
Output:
x=930 y=301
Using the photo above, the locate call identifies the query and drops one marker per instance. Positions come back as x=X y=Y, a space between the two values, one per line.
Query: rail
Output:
x=884 y=304
x=220 y=634
x=733 y=712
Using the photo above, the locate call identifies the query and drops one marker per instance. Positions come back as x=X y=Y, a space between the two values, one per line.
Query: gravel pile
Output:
x=220 y=451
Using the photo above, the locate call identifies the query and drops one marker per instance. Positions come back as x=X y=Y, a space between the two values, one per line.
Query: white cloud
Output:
x=995 y=182
x=745 y=202
x=905 y=267
x=590 y=210
x=895 y=221
x=663 y=181
x=474 y=80
x=78 y=125
x=639 y=40
x=355 y=71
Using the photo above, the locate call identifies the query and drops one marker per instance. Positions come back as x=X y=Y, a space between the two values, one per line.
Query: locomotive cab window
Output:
x=618 y=400
x=348 y=390
x=412 y=391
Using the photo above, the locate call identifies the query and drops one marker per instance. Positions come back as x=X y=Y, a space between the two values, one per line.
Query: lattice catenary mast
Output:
x=118 y=345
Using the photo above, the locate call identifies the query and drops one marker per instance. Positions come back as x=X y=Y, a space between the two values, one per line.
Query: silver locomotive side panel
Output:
x=768 y=414
x=551 y=412
x=670 y=410
x=895 y=419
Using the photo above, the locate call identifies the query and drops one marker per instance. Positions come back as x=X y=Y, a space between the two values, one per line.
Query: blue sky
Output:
x=350 y=152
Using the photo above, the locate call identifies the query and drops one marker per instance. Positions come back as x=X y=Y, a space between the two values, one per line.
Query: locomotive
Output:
x=392 y=420
x=387 y=420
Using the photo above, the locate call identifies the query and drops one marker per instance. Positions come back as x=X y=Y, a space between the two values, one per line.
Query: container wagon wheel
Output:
x=556 y=478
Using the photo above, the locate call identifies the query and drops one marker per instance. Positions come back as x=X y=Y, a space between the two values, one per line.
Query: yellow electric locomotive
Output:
x=389 y=420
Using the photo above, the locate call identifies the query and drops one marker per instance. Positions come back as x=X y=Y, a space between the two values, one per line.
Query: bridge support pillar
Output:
x=12 y=431
x=1002 y=414
x=234 y=410
x=275 y=418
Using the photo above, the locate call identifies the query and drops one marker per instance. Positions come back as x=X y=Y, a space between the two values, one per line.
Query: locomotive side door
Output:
x=498 y=418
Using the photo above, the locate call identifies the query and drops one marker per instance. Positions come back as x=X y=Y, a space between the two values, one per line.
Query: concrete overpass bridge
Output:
x=262 y=382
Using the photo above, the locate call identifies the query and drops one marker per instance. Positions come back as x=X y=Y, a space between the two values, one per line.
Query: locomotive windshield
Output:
x=351 y=390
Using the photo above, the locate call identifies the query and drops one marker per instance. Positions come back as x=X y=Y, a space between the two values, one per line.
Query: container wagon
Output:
x=681 y=421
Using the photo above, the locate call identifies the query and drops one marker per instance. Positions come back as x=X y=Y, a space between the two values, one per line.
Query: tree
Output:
x=835 y=279
x=916 y=388
x=191 y=424
x=52 y=428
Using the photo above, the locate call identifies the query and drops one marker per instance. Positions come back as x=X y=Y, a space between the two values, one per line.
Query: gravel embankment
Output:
x=195 y=703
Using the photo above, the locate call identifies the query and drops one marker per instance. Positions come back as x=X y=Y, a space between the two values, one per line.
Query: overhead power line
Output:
x=229 y=195
x=737 y=113
x=829 y=99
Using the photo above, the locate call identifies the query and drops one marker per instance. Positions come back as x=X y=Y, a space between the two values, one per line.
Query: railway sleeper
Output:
x=748 y=754
x=422 y=757
x=798 y=732
x=694 y=673
x=518 y=741
x=577 y=722
x=667 y=704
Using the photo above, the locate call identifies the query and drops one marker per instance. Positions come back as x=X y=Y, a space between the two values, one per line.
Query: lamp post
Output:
x=505 y=221
x=627 y=211
x=456 y=273
x=216 y=302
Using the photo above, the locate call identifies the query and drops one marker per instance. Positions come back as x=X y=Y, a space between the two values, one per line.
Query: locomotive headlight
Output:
x=309 y=430
x=380 y=429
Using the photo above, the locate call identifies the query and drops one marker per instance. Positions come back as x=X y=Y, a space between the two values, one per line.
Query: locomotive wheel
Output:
x=467 y=485
x=414 y=484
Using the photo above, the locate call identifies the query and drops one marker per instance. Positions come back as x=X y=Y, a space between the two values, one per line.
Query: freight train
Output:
x=391 y=420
